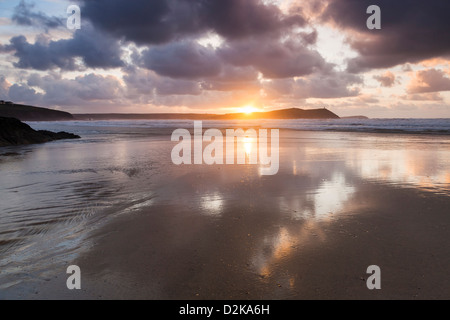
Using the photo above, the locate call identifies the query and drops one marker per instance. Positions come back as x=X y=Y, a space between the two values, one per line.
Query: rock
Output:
x=59 y=136
x=14 y=132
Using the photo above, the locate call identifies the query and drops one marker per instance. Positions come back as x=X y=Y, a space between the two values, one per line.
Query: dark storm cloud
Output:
x=270 y=56
x=95 y=50
x=141 y=21
x=41 y=55
x=412 y=31
x=23 y=93
x=141 y=82
x=234 y=19
x=273 y=58
x=160 y=21
x=184 y=59
x=24 y=15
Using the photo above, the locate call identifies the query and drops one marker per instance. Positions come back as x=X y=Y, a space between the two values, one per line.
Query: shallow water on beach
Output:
x=52 y=196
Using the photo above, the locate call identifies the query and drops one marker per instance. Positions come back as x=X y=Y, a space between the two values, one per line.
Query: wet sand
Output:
x=169 y=253
x=309 y=232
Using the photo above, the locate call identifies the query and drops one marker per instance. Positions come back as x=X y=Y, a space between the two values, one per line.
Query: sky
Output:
x=221 y=56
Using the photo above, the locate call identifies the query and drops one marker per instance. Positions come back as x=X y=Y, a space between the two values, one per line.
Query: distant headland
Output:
x=293 y=113
x=31 y=113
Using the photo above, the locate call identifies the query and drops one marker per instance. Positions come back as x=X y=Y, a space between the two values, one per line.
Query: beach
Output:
x=140 y=227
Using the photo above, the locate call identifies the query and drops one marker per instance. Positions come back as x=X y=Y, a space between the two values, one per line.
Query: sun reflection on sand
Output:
x=326 y=175
x=282 y=244
x=331 y=196
x=212 y=204
x=248 y=146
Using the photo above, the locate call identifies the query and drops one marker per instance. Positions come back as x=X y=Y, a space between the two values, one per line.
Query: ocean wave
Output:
x=417 y=126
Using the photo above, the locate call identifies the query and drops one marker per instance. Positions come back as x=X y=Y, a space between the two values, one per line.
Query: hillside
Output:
x=30 y=113
x=356 y=117
x=293 y=113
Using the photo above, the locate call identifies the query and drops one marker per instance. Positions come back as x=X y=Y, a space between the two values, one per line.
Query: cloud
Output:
x=430 y=80
x=24 y=94
x=368 y=98
x=233 y=78
x=169 y=65
x=237 y=19
x=53 y=90
x=41 y=55
x=273 y=58
x=142 y=21
x=386 y=80
x=309 y=38
x=90 y=87
x=430 y=96
x=24 y=15
x=4 y=88
x=334 y=85
x=411 y=31
x=327 y=85
x=183 y=59
x=160 y=21
x=94 y=49
x=146 y=83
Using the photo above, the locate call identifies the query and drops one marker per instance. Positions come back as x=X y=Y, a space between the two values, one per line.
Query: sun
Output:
x=248 y=109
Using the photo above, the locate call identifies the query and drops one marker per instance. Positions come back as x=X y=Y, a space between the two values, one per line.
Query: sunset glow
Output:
x=249 y=109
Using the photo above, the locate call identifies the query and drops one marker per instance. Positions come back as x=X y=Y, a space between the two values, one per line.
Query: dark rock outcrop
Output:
x=58 y=135
x=14 y=132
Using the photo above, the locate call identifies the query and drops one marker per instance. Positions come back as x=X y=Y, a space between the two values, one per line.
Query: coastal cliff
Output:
x=293 y=113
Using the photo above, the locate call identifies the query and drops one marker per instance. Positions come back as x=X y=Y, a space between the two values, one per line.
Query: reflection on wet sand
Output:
x=342 y=170
x=212 y=204
x=418 y=168
x=279 y=246
x=225 y=231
